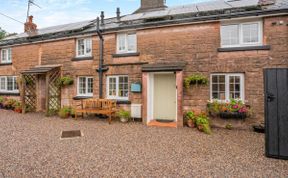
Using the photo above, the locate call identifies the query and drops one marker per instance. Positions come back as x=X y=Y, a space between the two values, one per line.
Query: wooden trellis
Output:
x=53 y=89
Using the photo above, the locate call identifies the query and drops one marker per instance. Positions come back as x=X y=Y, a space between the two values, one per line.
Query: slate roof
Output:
x=212 y=9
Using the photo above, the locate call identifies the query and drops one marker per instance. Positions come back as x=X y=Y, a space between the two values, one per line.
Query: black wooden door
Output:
x=276 y=112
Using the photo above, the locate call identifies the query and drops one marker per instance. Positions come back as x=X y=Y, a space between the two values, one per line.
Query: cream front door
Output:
x=164 y=97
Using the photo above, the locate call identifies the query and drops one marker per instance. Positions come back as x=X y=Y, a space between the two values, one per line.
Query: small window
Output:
x=242 y=34
x=84 y=47
x=126 y=43
x=227 y=86
x=8 y=84
x=85 y=86
x=117 y=87
x=6 y=55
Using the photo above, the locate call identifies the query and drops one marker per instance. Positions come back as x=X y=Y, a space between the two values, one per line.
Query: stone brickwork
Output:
x=195 y=44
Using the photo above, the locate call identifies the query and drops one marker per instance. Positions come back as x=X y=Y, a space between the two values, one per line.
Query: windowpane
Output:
x=230 y=35
x=90 y=85
x=82 y=85
x=9 y=55
x=2 y=83
x=250 y=33
x=4 y=55
x=234 y=87
x=218 y=87
x=131 y=40
x=10 y=83
x=123 y=86
x=88 y=46
x=112 y=86
x=15 y=84
x=81 y=47
x=121 y=42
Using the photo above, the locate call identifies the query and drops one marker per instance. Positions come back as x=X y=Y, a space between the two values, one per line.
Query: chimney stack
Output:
x=102 y=17
x=29 y=26
x=150 y=5
x=118 y=13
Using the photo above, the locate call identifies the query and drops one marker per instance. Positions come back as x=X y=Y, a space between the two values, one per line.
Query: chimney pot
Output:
x=102 y=17
x=29 y=26
x=118 y=13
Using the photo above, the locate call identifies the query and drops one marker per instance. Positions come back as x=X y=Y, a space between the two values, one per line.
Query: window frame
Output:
x=86 y=84
x=126 y=43
x=85 y=47
x=6 y=85
x=117 y=97
x=241 y=36
x=8 y=56
x=227 y=85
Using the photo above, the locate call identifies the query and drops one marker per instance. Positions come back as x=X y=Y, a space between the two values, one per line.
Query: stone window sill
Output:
x=82 y=58
x=5 y=64
x=125 y=55
x=9 y=94
x=245 y=48
x=81 y=97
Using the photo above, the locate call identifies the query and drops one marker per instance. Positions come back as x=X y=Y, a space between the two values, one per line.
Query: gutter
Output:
x=100 y=69
x=270 y=12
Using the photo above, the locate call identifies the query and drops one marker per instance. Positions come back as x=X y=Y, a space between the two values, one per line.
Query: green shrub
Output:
x=190 y=116
x=124 y=114
x=195 y=79
x=1 y=99
x=64 y=112
x=65 y=81
x=202 y=121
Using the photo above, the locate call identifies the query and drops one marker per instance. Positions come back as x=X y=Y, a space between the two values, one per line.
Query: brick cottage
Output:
x=144 y=57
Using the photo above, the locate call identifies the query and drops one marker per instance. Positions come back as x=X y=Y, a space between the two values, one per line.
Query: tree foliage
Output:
x=3 y=33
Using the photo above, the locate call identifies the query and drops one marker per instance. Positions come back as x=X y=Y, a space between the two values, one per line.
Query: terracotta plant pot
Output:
x=190 y=123
x=19 y=110
x=200 y=127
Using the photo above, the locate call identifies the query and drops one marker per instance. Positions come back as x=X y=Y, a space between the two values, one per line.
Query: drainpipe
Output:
x=100 y=70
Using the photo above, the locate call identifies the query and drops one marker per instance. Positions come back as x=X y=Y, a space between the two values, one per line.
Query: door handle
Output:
x=270 y=97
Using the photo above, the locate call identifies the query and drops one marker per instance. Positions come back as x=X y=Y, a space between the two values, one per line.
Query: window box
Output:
x=117 y=87
x=126 y=43
x=6 y=56
x=84 y=48
x=232 y=115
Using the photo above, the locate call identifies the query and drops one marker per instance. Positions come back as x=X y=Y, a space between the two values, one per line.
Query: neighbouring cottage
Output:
x=142 y=59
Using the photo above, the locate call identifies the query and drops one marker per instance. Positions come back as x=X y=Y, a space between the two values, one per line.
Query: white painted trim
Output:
x=86 y=83
x=227 y=83
x=117 y=88
x=150 y=95
x=6 y=85
x=7 y=56
x=240 y=33
x=85 y=47
x=125 y=35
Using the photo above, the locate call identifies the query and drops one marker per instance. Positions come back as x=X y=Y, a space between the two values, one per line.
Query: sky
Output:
x=57 y=12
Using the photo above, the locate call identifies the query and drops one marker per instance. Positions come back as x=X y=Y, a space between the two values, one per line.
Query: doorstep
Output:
x=162 y=124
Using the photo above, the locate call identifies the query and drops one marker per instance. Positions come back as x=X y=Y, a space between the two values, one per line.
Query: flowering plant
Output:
x=234 y=105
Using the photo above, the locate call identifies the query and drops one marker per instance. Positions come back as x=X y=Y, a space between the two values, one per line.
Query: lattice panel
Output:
x=54 y=102
x=30 y=96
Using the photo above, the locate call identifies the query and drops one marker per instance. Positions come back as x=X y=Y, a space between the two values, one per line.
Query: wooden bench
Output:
x=97 y=106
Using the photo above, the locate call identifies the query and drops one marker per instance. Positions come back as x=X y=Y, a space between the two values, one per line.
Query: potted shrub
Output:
x=18 y=107
x=66 y=81
x=191 y=118
x=203 y=125
x=72 y=112
x=9 y=103
x=64 y=112
x=124 y=115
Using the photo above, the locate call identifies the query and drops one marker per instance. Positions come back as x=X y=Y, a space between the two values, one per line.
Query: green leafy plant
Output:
x=64 y=112
x=190 y=118
x=8 y=103
x=65 y=81
x=17 y=106
x=195 y=79
x=123 y=114
x=202 y=122
x=229 y=126
x=1 y=99
x=234 y=105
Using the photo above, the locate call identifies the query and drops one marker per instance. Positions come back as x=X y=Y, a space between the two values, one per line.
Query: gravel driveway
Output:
x=30 y=146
